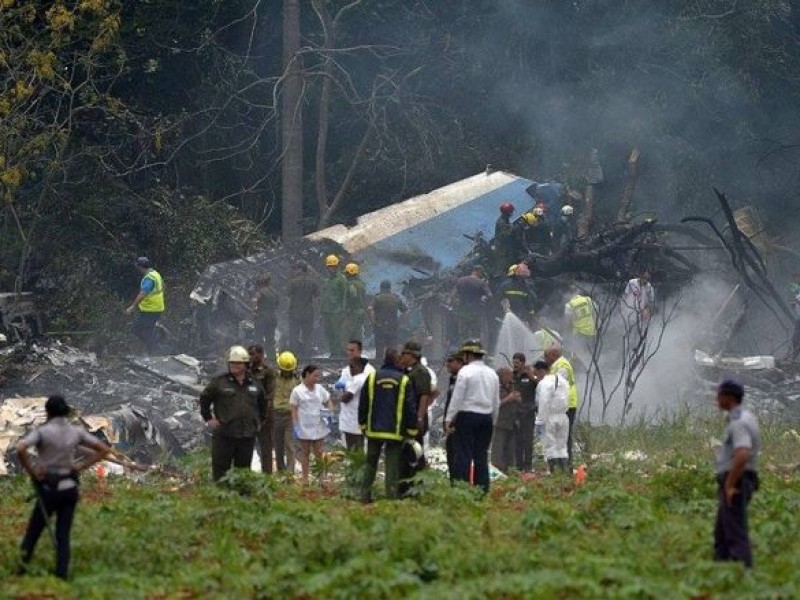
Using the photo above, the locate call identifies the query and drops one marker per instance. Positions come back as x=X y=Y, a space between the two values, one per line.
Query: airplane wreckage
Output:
x=147 y=407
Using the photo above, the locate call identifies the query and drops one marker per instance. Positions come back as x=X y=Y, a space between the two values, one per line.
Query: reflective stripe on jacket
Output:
x=154 y=301
x=562 y=364
x=387 y=409
x=582 y=315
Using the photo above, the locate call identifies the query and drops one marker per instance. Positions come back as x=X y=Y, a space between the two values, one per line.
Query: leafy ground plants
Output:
x=638 y=528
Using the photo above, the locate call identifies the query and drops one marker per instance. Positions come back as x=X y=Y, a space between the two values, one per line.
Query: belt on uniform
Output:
x=751 y=476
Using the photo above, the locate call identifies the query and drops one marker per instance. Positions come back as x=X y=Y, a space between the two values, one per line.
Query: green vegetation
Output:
x=636 y=529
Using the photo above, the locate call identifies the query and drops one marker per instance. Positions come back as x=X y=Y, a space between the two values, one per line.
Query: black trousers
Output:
x=571 y=416
x=354 y=441
x=144 y=328
x=471 y=440
x=62 y=504
x=392 y=455
x=265 y=444
x=524 y=449
x=450 y=452
x=731 y=537
x=230 y=451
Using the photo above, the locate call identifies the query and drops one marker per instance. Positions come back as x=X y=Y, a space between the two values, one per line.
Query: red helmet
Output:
x=506 y=208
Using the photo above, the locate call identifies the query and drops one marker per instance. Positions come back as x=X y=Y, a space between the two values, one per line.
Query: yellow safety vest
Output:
x=583 y=315
x=563 y=363
x=154 y=301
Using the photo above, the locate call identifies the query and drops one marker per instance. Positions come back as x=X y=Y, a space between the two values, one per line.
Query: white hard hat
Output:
x=538 y=211
x=567 y=210
x=238 y=354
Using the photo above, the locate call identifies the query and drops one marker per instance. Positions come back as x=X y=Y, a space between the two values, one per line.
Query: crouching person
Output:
x=55 y=478
x=387 y=414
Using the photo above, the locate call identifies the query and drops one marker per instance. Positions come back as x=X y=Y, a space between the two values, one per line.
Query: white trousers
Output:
x=556 y=433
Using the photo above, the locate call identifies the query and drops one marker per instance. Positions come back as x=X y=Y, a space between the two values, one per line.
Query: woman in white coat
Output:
x=307 y=401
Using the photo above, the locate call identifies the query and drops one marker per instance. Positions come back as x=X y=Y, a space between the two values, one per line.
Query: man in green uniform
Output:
x=303 y=290
x=282 y=432
x=266 y=304
x=355 y=304
x=234 y=406
x=333 y=304
x=266 y=377
x=384 y=313
x=420 y=377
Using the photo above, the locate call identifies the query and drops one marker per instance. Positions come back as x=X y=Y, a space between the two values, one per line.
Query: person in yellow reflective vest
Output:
x=387 y=414
x=561 y=366
x=149 y=304
x=580 y=314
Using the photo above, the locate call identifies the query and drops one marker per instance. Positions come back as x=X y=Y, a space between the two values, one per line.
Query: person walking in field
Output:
x=148 y=304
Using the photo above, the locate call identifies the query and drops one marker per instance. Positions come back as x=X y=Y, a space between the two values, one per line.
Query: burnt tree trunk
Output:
x=292 y=125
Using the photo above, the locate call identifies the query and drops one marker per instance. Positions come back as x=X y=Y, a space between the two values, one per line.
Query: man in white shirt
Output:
x=350 y=383
x=471 y=415
x=638 y=301
x=552 y=394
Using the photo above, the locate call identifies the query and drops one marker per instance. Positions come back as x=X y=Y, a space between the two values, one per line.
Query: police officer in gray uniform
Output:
x=737 y=477
x=55 y=477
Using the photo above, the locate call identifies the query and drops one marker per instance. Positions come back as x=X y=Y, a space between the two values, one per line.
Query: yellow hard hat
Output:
x=351 y=269
x=529 y=218
x=332 y=260
x=238 y=354
x=511 y=270
x=287 y=361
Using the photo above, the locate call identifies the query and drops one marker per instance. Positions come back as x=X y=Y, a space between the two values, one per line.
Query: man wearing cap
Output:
x=737 y=475
x=455 y=361
x=472 y=413
x=234 y=406
x=266 y=377
x=420 y=378
x=149 y=304
x=302 y=290
x=472 y=293
x=384 y=314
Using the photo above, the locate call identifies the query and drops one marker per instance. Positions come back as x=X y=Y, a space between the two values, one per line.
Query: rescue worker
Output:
x=737 y=476
x=355 y=303
x=638 y=302
x=535 y=232
x=302 y=290
x=420 y=378
x=565 y=229
x=580 y=314
x=454 y=362
x=384 y=314
x=307 y=401
x=234 y=406
x=387 y=414
x=333 y=305
x=471 y=415
x=472 y=294
x=350 y=383
x=517 y=293
x=544 y=336
x=148 y=304
x=282 y=432
x=266 y=377
x=504 y=444
x=265 y=305
x=560 y=365
x=55 y=478
x=506 y=249
x=525 y=385
x=552 y=394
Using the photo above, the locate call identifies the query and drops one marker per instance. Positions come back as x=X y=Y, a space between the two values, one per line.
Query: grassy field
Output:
x=639 y=528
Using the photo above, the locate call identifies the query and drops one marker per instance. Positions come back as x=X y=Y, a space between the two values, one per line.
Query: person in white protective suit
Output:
x=552 y=394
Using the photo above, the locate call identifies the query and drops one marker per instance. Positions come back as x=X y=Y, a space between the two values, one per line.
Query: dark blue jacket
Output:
x=388 y=409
